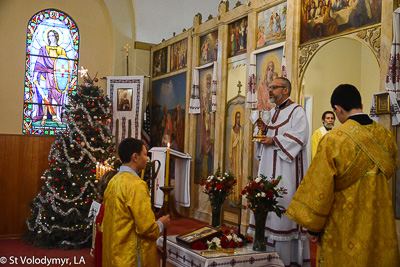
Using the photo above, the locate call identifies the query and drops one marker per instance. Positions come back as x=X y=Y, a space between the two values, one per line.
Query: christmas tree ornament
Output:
x=69 y=162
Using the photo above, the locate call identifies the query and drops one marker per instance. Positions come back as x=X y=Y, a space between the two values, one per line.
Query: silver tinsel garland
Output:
x=52 y=195
x=74 y=199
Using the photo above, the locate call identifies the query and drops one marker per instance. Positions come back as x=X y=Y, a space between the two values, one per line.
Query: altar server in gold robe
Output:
x=130 y=230
x=344 y=199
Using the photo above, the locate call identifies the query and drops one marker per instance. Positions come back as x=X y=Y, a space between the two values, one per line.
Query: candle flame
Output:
x=168 y=144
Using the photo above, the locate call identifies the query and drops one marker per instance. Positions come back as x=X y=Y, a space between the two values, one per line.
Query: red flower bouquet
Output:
x=199 y=245
x=262 y=195
x=228 y=240
x=218 y=187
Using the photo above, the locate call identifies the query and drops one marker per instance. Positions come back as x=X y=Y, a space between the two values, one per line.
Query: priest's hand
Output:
x=313 y=238
x=166 y=220
x=160 y=251
x=267 y=141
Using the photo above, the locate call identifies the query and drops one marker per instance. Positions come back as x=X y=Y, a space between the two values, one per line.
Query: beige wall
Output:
x=234 y=76
x=341 y=61
x=96 y=48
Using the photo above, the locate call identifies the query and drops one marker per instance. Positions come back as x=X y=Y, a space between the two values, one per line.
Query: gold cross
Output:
x=239 y=85
x=127 y=46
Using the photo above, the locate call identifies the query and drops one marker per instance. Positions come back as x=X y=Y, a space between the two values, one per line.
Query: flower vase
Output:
x=216 y=215
x=259 y=236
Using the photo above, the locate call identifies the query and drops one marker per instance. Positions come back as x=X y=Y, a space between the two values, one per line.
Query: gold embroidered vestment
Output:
x=345 y=195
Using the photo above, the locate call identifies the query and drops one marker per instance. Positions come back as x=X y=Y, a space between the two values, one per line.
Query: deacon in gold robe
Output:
x=344 y=199
x=328 y=121
x=130 y=230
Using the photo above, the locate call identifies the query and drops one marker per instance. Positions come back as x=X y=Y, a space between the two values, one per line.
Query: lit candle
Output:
x=166 y=179
x=97 y=171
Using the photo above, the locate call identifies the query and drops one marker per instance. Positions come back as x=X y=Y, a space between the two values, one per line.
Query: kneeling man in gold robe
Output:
x=344 y=200
x=130 y=230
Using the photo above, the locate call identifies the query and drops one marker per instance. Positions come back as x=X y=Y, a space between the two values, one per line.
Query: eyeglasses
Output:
x=273 y=87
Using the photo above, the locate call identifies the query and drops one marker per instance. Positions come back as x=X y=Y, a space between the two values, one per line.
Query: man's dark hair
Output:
x=328 y=112
x=286 y=83
x=128 y=147
x=347 y=96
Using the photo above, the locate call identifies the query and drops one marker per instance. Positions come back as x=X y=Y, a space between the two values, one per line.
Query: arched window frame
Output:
x=65 y=80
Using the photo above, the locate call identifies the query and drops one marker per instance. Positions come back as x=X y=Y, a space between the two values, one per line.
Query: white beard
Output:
x=273 y=100
x=329 y=126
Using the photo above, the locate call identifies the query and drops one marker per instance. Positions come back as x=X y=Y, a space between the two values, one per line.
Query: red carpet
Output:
x=15 y=252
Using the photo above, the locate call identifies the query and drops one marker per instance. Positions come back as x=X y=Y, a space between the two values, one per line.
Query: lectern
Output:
x=180 y=169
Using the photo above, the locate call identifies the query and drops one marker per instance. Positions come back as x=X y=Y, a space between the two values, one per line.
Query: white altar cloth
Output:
x=182 y=176
x=244 y=256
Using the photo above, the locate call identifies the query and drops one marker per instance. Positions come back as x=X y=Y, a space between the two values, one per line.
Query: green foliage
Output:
x=218 y=186
x=59 y=213
x=263 y=194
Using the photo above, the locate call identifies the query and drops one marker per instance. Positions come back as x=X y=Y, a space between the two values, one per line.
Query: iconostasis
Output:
x=255 y=42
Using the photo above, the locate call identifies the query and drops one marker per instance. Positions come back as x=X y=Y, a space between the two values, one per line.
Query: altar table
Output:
x=243 y=257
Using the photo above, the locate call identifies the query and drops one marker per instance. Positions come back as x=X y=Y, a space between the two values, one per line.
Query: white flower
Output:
x=216 y=240
x=258 y=195
x=239 y=240
x=263 y=194
x=258 y=179
x=229 y=237
x=209 y=243
x=235 y=238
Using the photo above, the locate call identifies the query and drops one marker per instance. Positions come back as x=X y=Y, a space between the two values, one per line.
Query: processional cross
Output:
x=127 y=46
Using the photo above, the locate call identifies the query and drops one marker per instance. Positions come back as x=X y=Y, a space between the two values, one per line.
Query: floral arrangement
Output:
x=218 y=186
x=228 y=240
x=262 y=194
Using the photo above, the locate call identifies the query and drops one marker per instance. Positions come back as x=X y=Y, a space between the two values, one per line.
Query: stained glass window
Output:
x=52 y=52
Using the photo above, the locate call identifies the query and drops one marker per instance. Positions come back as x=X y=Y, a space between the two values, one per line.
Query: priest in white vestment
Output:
x=283 y=153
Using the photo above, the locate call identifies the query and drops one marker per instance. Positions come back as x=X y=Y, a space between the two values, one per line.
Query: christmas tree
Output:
x=59 y=213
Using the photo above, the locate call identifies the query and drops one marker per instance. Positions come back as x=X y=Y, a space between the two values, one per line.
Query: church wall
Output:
x=320 y=74
x=23 y=158
x=369 y=78
x=96 y=48
x=343 y=60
